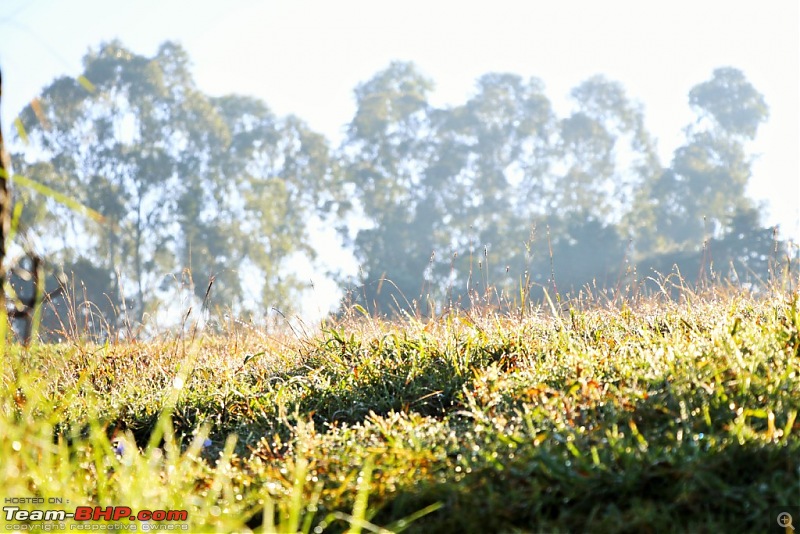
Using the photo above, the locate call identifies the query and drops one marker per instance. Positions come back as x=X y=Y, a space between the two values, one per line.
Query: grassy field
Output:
x=660 y=415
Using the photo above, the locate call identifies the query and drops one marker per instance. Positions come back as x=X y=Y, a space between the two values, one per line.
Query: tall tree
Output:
x=216 y=185
x=504 y=135
x=438 y=183
x=387 y=150
x=564 y=216
x=704 y=188
x=499 y=192
x=605 y=151
x=604 y=154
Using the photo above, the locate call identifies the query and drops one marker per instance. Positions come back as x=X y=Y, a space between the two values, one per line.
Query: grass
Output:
x=653 y=416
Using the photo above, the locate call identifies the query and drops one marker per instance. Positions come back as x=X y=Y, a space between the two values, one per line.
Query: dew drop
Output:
x=177 y=383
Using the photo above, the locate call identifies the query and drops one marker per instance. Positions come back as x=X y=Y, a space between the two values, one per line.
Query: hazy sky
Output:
x=306 y=56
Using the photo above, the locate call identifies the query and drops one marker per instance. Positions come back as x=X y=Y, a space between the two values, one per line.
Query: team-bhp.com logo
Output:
x=96 y=513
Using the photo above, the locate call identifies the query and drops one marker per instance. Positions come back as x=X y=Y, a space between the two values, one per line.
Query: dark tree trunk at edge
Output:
x=5 y=207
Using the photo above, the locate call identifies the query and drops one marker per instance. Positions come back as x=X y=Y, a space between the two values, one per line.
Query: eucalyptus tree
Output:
x=703 y=190
x=604 y=157
x=388 y=148
x=504 y=135
x=218 y=187
x=543 y=195
x=439 y=184
x=605 y=152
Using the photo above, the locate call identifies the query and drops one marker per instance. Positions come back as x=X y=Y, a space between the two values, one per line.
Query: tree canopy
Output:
x=499 y=193
x=491 y=197
x=219 y=188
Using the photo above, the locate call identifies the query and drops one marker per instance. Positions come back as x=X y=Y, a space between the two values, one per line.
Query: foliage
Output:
x=454 y=205
x=704 y=188
x=448 y=192
x=438 y=180
x=217 y=186
x=660 y=413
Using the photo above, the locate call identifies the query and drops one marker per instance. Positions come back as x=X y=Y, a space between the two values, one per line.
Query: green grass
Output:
x=659 y=416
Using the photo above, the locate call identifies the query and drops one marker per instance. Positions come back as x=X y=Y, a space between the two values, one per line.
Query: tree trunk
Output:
x=5 y=219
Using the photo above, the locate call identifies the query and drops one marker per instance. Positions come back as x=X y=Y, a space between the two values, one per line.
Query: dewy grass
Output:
x=659 y=416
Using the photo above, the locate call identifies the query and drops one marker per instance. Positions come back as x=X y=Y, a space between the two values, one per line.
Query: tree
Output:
x=384 y=157
x=729 y=99
x=437 y=184
x=460 y=198
x=704 y=188
x=216 y=185
x=5 y=218
x=504 y=135
x=499 y=192
x=606 y=150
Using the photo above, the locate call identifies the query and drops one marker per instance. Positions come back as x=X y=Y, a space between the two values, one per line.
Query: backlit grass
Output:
x=658 y=416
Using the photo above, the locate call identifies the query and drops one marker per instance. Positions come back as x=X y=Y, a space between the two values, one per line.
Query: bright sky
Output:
x=306 y=56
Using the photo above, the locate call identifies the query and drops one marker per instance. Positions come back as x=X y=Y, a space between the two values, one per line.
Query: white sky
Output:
x=306 y=56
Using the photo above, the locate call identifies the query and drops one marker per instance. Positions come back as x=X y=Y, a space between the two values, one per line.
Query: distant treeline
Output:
x=495 y=198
